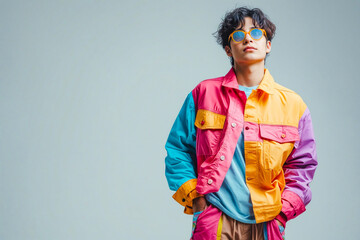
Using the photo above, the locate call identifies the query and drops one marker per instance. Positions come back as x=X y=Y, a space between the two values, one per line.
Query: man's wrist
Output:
x=281 y=218
x=279 y=223
x=199 y=204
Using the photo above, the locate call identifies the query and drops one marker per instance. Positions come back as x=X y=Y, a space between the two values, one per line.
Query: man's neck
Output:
x=249 y=75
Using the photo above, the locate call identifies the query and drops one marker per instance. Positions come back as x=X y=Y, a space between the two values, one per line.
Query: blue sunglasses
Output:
x=239 y=35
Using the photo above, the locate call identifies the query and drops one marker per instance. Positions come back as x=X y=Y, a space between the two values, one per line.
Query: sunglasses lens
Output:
x=256 y=33
x=238 y=36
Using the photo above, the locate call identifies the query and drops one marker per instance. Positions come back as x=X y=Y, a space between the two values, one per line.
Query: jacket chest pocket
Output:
x=278 y=142
x=210 y=127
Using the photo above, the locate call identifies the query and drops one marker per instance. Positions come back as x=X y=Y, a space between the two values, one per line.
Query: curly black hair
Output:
x=233 y=19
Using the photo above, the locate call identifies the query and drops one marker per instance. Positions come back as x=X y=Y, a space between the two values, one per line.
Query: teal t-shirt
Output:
x=233 y=197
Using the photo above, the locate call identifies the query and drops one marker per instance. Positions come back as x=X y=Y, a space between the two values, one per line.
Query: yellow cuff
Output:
x=185 y=195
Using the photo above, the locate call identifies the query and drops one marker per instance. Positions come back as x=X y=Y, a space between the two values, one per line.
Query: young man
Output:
x=241 y=153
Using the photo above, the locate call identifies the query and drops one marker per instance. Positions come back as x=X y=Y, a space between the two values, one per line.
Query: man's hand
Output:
x=199 y=204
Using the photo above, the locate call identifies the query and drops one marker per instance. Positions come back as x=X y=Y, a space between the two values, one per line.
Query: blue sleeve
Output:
x=180 y=162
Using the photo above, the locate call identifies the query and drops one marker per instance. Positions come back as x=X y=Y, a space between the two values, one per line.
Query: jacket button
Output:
x=210 y=181
x=202 y=122
x=246 y=128
x=233 y=125
x=283 y=135
x=222 y=158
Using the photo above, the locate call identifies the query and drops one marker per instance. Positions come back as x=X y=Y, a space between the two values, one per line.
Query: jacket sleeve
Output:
x=180 y=162
x=299 y=171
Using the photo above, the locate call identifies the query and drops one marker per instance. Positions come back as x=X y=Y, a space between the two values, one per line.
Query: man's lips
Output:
x=249 y=48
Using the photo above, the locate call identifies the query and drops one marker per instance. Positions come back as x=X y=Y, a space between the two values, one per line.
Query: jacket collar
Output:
x=266 y=84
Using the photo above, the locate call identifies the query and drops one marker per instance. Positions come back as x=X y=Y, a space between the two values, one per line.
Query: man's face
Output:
x=248 y=56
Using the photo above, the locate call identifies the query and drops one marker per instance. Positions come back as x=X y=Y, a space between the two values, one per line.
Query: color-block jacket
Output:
x=280 y=154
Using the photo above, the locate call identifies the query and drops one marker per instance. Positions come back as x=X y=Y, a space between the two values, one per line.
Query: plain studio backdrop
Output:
x=90 y=89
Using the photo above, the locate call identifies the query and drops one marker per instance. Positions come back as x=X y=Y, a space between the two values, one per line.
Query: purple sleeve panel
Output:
x=299 y=170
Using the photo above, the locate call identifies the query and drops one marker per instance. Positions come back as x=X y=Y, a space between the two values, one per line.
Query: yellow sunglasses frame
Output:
x=231 y=35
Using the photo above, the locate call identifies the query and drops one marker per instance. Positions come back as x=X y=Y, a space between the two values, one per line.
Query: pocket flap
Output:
x=206 y=119
x=279 y=133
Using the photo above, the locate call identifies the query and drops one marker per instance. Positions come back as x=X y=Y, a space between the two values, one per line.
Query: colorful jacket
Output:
x=280 y=153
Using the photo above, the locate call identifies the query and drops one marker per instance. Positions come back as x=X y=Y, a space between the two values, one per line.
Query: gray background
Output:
x=90 y=89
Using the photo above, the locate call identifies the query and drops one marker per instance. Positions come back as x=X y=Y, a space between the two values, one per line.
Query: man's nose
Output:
x=247 y=38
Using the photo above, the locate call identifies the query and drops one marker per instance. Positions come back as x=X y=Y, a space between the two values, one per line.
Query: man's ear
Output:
x=268 y=46
x=228 y=51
